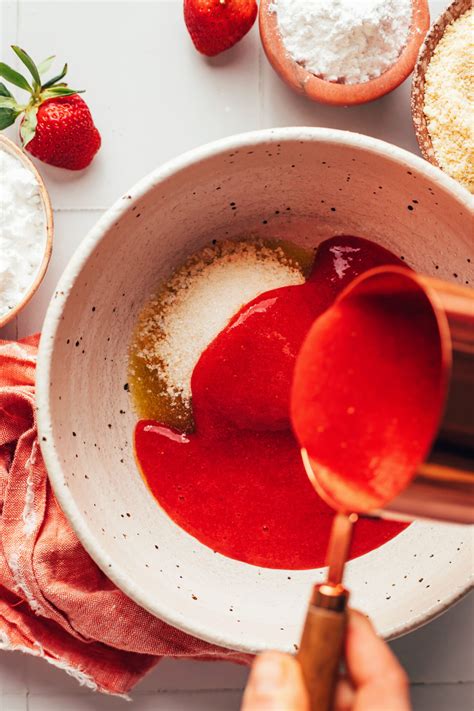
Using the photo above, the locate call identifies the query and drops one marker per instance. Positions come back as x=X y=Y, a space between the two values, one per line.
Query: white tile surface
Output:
x=153 y=97
x=443 y=697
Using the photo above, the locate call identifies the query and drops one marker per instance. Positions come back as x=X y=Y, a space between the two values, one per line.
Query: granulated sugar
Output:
x=22 y=230
x=449 y=100
x=198 y=302
x=347 y=41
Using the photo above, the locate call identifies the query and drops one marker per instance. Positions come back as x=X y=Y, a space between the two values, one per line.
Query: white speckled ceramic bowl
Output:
x=303 y=184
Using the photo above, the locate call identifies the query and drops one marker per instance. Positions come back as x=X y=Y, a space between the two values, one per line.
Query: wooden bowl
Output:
x=327 y=92
x=453 y=12
x=13 y=149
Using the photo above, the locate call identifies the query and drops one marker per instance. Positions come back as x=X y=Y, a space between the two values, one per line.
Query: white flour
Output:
x=22 y=230
x=348 y=41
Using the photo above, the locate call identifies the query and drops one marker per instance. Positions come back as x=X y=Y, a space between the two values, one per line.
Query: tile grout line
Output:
x=80 y=209
x=418 y=684
x=14 y=18
x=261 y=90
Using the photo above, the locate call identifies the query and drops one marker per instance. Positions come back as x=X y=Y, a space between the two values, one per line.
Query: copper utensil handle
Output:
x=320 y=653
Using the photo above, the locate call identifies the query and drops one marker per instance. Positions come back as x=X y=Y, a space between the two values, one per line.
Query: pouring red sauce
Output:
x=237 y=482
x=371 y=374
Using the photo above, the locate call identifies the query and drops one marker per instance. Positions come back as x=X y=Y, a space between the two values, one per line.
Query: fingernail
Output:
x=269 y=674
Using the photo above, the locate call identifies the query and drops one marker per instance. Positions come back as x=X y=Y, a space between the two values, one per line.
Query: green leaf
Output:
x=28 y=62
x=56 y=79
x=46 y=64
x=8 y=102
x=28 y=126
x=4 y=91
x=14 y=77
x=7 y=117
x=58 y=91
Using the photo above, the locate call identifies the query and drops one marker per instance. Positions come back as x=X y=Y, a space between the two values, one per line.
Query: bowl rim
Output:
x=333 y=93
x=92 y=544
x=14 y=150
x=453 y=12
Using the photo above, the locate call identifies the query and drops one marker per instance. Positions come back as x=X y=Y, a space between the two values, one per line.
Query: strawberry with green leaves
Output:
x=56 y=125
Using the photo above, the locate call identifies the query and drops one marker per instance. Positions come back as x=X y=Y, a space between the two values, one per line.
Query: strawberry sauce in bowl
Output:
x=237 y=482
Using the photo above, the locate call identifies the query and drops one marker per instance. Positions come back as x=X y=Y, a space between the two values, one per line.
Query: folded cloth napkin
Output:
x=55 y=602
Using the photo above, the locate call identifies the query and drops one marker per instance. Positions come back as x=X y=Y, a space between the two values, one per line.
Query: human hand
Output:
x=375 y=682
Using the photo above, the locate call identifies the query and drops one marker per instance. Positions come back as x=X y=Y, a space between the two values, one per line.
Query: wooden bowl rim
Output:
x=14 y=150
x=417 y=100
x=316 y=89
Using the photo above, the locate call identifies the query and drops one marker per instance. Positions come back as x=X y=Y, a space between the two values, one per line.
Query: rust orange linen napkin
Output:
x=55 y=602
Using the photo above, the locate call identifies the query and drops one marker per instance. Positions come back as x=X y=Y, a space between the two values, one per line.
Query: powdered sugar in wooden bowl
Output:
x=303 y=81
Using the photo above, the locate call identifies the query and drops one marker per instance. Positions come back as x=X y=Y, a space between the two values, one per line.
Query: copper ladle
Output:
x=442 y=487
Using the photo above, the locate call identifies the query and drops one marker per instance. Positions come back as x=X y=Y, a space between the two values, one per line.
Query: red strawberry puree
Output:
x=237 y=482
x=371 y=373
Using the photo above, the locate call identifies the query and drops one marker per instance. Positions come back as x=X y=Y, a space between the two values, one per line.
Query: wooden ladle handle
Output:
x=320 y=653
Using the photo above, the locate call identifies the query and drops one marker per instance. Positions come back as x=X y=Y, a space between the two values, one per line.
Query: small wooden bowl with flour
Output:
x=26 y=239
x=337 y=91
x=440 y=149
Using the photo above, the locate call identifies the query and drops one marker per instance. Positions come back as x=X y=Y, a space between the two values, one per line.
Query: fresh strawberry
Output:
x=216 y=25
x=57 y=126
x=65 y=133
